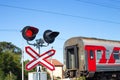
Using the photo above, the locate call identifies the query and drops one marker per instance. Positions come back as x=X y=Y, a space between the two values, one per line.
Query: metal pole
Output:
x=39 y=43
x=38 y=67
x=51 y=63
x=22 y=65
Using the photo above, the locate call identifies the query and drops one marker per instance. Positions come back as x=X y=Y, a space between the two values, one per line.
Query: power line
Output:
x=102 y=5
x=63 y=14
x=10 y=30
x=115 y=0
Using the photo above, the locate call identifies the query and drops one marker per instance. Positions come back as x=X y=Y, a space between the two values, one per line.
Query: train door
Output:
x=96 y=54
x=72 y=61
x=91 y=59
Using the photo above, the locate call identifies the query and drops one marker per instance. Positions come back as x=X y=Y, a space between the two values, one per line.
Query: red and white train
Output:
x=96 y=59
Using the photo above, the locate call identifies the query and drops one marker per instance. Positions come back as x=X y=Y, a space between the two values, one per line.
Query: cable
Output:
x=115 y=0
x=10 y=30
x=63 y=14
x=15 y=30
x=102 y=5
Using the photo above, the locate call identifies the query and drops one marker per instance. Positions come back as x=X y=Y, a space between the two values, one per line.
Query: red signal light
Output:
x=29 y=33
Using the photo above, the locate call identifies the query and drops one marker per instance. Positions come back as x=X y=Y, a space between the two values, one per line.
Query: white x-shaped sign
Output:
x=39 y=59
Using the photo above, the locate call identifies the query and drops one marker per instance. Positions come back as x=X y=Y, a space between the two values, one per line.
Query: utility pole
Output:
x=22 y=65
x=51 y=63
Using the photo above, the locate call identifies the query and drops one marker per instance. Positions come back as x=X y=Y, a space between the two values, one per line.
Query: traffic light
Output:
x=29 y=33
x=49 y=36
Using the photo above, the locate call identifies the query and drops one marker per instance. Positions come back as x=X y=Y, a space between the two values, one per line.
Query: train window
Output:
x=91 y=54
x=99 y=54
x=116 y=54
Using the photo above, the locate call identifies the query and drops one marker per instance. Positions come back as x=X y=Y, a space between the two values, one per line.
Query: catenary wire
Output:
x=98 y=4
x=63 y=14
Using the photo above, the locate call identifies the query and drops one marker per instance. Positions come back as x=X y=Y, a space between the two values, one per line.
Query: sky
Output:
x=88 y=18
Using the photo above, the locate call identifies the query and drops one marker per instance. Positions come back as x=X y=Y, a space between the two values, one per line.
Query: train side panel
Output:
x=91 y=56
x=106 y=55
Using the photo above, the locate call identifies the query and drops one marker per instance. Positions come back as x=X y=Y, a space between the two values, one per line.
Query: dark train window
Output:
x=116 y=54
x=72 y=57
x=91 y=54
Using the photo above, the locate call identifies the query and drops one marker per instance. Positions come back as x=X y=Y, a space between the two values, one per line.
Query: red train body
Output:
x=93 y=58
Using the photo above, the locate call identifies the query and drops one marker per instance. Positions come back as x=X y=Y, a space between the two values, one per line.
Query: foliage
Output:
x=10 y=66
x=81 y=78
x=7 y=46
x=10 y=63
x=1 y=75
x=10 y=76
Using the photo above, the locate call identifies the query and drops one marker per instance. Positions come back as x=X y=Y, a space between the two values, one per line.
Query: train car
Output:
x=96 y=59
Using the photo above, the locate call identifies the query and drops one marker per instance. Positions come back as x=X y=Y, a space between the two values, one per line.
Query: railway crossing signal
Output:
x=49 y=36
x=39 y=59
x=29 y=33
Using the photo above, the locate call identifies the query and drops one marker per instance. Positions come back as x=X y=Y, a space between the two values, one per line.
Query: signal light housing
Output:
x=29 y=33
x=49 y=36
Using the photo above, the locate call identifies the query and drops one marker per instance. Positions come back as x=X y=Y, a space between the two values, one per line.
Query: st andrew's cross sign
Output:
x=39 y=59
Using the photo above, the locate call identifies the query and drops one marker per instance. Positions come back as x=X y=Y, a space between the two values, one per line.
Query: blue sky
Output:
x=89 y=18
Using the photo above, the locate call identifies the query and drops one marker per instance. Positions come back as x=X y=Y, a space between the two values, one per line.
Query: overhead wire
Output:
x=10 y=30
x=63 y=14
x=17 y=30
x=98 y=4
x=115 y=0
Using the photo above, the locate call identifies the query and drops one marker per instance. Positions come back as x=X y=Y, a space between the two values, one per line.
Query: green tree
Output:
x=8 y=46
x=10 y=76
x=10 y=57
x=1 y=75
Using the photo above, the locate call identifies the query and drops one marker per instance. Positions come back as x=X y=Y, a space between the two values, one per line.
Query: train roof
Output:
x=92 y=40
